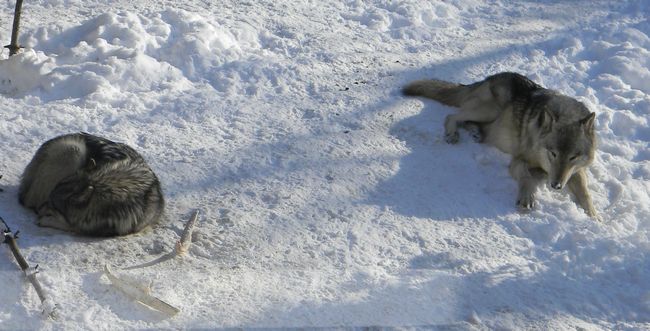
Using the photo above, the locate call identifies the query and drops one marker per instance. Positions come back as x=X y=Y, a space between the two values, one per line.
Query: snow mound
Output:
x=22 y=72
x=112 y=57
x=403 y=20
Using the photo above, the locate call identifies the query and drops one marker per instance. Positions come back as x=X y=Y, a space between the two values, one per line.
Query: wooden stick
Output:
x=10 y=240
x=13 y=46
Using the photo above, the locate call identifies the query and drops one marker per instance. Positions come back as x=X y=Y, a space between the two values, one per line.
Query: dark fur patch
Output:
x=110 y=190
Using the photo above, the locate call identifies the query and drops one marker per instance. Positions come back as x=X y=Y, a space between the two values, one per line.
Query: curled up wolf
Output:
x=91 y=185
x=550 y=136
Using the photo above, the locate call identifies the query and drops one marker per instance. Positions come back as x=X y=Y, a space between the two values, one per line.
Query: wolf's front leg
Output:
x=527 y=179
x=451 y=129
x=578 y=186
x=51 y=218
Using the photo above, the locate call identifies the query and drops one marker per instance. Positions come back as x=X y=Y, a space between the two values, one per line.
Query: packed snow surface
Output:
x=327 y=199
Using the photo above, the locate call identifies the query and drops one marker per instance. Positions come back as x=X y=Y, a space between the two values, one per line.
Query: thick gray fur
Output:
x=549 y=135
x=92 y=186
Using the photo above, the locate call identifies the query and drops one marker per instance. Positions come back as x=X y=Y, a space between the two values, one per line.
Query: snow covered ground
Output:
x=327 y=198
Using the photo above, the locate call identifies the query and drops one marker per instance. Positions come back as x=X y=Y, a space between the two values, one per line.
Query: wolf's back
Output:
x=448 y=93
x=125 y=198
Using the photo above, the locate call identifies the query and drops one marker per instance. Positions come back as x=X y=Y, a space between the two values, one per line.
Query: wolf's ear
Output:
x=545 y=121
x=588 y=122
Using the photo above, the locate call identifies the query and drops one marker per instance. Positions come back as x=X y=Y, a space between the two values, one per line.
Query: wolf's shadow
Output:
x=442 y=181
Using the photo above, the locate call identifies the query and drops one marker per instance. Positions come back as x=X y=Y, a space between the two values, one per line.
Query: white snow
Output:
x=328 y=200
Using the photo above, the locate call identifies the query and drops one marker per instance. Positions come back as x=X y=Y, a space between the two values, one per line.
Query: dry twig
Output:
x=49 y=308
x=13 y=46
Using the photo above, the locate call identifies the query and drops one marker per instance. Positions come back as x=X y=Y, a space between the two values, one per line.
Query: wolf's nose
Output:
x=556 y=185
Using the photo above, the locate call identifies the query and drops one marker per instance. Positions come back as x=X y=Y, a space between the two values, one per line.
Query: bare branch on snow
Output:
x=49 y=308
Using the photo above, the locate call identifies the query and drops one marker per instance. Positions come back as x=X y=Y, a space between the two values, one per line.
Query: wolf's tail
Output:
x=450 y=94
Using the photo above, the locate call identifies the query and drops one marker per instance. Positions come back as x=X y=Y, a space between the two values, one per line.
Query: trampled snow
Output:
x=327 y=199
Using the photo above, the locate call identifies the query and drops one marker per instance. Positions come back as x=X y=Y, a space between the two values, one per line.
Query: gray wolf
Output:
x=92 y=186
x=549 y=135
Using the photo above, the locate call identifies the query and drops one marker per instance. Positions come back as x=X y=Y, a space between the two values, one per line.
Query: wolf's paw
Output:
x=474 y=131
x=477 y=135
x=452 y=138
x=525 y=203
x=46 y=220
x=594 y=215
x=53 y=221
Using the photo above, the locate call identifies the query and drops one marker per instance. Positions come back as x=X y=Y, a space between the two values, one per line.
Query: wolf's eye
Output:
x=575 y=157
x=552 y=154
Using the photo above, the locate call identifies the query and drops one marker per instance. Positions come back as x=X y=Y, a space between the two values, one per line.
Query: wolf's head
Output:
x=566 y=147
x=75 y=190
